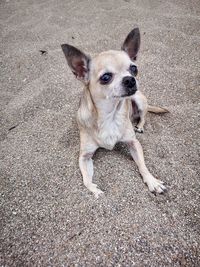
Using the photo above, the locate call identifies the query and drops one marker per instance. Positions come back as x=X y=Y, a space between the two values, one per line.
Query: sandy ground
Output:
x=48 y=218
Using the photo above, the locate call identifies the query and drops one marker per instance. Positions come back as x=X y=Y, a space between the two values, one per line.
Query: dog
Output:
x=110 y=102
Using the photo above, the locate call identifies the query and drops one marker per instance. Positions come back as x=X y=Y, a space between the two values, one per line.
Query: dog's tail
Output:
x=155 y=109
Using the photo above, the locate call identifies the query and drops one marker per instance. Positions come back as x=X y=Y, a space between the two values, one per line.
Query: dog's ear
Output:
x=131 y=44
x=77 y=61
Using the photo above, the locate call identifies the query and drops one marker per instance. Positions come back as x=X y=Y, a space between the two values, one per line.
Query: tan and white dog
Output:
x=110 y=103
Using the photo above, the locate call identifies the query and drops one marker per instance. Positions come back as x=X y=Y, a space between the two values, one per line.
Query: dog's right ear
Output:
x=77 y=61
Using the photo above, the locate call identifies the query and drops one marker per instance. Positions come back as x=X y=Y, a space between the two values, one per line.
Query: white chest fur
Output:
x=111 y=127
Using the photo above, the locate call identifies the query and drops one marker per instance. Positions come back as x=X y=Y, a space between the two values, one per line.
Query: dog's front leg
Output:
x=140 y=126
x=88 y=147
x=139 y=102
x=136 y=151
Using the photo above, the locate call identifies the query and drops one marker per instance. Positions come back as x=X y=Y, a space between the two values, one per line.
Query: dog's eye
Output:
x=133 y=70
x=106 y=78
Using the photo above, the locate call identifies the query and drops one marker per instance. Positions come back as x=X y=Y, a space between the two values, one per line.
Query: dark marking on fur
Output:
x=136 y=113
x=138 y=130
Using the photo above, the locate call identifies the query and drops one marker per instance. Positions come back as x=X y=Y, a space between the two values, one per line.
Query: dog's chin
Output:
x=122 y=96
x=127 y=95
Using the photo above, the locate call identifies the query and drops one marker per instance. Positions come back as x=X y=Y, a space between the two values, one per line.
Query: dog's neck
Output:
x=95 y=113
x=108 y=107
x=107 y=110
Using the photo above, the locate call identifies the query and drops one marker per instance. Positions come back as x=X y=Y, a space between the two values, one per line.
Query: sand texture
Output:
x=48 y=217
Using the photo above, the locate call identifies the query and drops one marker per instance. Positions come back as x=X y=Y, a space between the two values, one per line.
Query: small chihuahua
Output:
x=110 y=102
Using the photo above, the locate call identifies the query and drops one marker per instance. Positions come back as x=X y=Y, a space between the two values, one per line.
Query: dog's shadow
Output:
x=120 y=148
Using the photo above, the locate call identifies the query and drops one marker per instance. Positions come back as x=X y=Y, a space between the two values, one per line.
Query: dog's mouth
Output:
x=127 y=93
x=123 y=92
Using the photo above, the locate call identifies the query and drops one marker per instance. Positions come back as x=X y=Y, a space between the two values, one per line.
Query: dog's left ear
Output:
x=131 y=44
x=77 y=61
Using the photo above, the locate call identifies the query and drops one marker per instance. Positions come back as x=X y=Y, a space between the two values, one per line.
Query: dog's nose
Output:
x=129 y=82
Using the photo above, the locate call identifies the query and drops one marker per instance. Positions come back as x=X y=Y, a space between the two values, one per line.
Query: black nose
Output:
x=129 y=84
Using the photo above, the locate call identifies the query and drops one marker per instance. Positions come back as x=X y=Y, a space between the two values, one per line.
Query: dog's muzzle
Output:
x=129 y=85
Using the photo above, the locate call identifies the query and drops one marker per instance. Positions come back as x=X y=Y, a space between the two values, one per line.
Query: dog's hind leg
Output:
x=88 y=147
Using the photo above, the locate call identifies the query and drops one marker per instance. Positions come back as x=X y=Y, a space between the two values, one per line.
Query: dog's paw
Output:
x=93 y=188
x=139 y=130
x=155 y=186
x=98 y=192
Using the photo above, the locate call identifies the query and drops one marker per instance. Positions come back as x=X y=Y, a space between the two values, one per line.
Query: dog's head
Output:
x=111 y=74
